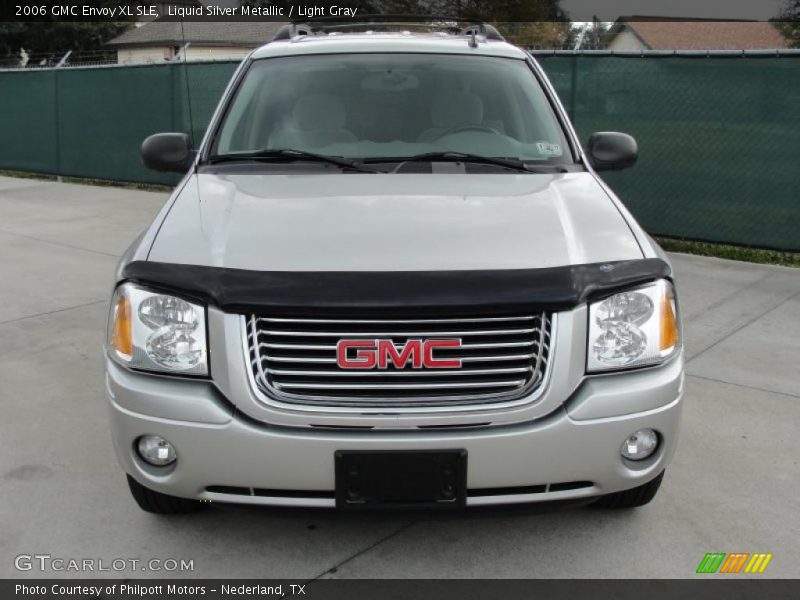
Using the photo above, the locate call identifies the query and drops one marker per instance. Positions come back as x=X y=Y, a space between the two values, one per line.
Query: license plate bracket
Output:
x=397 y=479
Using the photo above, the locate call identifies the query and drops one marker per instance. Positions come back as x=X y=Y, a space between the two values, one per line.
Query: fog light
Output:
x=156 y=450
x=640 y=444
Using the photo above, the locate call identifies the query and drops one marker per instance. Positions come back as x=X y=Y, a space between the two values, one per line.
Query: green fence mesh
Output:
x=719 y=137
x=91 y=122
x=719 y=140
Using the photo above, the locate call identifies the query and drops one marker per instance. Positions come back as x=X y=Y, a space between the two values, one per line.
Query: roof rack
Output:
x=449 y=24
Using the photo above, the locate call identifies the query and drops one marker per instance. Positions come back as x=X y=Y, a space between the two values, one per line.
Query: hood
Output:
x=358 y=222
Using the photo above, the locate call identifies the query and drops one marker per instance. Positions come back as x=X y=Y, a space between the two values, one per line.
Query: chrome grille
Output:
x=502 y=357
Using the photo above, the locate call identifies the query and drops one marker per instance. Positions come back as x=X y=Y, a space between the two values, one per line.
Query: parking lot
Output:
x=733 y=486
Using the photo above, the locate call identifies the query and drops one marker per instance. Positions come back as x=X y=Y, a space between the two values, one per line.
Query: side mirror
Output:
x=168 y=152
x=612 y=151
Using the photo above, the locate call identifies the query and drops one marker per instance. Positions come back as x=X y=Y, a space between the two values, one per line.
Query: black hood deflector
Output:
x=412 y=292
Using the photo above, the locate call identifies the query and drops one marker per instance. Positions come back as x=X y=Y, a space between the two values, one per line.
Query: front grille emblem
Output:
x=383 y=353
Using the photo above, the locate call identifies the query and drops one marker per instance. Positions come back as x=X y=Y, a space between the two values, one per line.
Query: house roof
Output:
x=206 y=33
x=668 y=33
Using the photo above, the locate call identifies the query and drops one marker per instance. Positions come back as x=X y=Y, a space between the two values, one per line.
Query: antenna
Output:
x=184 y=46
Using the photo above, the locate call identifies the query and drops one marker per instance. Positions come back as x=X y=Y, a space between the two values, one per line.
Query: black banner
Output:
x=407 y=589
x=282 y=10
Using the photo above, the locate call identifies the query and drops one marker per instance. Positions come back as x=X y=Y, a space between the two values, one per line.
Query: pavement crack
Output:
x=386 y=538
x=61 y=244
x=26 y=186
x=743 y=326
x=744 y=386
x=738 y=291
x=52 y=312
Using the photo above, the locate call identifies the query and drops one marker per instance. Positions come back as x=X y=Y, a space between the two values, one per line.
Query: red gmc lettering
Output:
x=382 y=353
x=387 y=351
x=364 y=359
x=442 y=363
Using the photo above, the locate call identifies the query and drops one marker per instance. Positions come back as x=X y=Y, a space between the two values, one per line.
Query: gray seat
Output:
x=317 y=120
x=450 y=110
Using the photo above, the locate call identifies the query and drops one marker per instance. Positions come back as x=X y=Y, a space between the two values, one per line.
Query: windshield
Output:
x=393 y=106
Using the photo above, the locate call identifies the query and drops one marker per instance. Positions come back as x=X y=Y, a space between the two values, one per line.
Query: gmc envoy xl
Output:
x=392 y=278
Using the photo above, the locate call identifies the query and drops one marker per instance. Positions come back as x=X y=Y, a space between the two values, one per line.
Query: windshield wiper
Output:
x=290 y=154
x=508 y=163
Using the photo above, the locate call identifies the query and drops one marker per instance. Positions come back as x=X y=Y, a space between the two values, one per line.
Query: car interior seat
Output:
x=316 y=120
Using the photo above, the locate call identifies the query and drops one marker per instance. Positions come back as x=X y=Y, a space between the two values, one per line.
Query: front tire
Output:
x=158 y=503
x=638 y=496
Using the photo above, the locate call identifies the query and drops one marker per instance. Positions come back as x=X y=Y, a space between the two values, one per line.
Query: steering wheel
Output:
x=463 y=128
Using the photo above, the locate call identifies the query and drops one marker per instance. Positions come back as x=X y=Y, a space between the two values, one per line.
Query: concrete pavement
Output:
x=734 y=484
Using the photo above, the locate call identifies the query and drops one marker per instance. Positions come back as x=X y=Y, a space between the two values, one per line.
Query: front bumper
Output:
x=225 y=456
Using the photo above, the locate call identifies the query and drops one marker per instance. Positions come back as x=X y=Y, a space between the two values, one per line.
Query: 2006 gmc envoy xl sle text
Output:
x=392 y=278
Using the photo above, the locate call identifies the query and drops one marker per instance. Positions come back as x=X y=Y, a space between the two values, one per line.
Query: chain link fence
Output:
x=719 y=139
x=51 y=60
x=90 y=122
x=719 y=133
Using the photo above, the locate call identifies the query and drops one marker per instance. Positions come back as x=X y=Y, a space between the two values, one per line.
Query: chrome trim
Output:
x=411 y=373
x=586 y=492
x=439 y=404
x=473 y=498
x=333 y=347
x=291 y=359
x=398 y=386
x=423 y=320
x=395 y=333
x=291 y=501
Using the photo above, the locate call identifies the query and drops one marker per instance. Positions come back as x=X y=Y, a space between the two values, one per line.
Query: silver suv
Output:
x=392 y=278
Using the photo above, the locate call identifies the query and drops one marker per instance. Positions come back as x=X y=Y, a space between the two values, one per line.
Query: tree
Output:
x=788 y=21
x=523 y=22
x=538 y=34
x=529 y=23
x=499 y=11
x=53 y=35
x=594 y=35
x=364 y=6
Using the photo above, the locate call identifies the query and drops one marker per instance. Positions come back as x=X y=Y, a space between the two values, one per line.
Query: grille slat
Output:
x=353 y=334
x=316 y=359
x=393 y=321
x=333 y=346
x=398 y=386
x=391 y=373
x=503 y=357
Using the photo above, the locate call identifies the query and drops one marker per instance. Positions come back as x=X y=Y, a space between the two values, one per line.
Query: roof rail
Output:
x=321 y=25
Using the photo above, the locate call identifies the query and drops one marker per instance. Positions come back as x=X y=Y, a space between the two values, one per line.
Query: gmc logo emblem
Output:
x=369 y=354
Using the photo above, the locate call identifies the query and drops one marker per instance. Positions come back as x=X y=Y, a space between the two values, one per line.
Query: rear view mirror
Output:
x=612 y=151
x=168 y=152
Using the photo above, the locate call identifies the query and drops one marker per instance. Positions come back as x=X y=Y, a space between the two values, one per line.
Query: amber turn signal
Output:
x=669 y=324
x=122 y=332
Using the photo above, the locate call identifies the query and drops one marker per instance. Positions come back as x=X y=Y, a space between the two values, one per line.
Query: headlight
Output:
x=634 y=328
x=157 y=332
